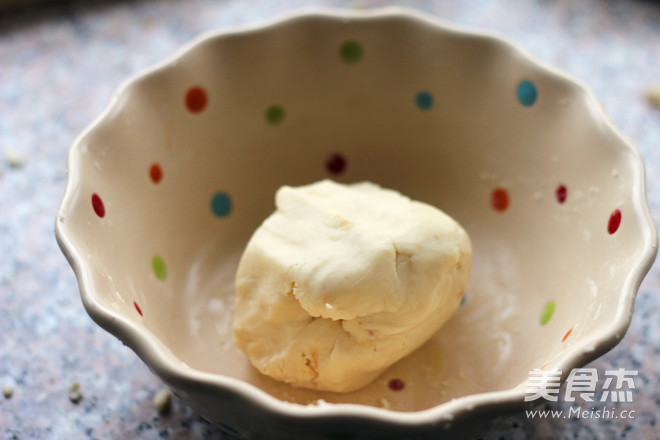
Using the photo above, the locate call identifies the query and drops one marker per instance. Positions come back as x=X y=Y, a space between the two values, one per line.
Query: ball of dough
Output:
x=341 y=281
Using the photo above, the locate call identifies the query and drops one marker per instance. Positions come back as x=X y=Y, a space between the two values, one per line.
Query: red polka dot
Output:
x=561 y=193
x=567 y=334
x=97 y=204
x=499 y=199
x=335 y=163
x=156 y=173
x=196 y=99
x=614 y=222
x=396 y=384
x=137 y=307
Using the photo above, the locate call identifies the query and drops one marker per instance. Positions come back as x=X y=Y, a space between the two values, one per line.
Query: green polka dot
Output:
x=221 y=204
x=275 y=114
x=158 y=265
x=351 y=51
x=547 y=312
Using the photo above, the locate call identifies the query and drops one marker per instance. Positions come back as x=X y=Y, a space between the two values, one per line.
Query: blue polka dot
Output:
x=464 y=299
x=424 y=100
x=221 y=204
x=527 y=93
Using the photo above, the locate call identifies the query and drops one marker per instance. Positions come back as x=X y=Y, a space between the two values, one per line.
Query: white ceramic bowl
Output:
x=167 y=185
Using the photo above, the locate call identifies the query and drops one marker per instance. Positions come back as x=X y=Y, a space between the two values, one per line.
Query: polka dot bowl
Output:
x=166 y=187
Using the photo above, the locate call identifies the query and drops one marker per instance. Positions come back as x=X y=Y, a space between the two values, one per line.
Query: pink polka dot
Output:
x=196 y=99
x=396 y=384
x=561 y=193
x=614 y=221
x=97 y=204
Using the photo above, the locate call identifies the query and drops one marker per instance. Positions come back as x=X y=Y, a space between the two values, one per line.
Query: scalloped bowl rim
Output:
x=150 y=350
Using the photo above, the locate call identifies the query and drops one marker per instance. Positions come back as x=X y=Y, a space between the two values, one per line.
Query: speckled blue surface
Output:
x=58 y=68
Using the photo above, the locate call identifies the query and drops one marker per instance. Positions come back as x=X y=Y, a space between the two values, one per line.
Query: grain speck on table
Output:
x=652 y=93
x=75 y=392
x=162 y=401
x=7 y=391
x=14 y=158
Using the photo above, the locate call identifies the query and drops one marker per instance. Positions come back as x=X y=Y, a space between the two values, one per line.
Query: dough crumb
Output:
x=75 y=393
x=652 y=94
x=162 y=401
x=7 y=391
x=14 y=158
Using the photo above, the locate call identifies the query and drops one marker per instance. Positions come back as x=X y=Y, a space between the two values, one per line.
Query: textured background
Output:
x=59 y=65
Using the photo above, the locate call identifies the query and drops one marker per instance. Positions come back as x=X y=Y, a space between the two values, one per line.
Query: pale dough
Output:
x=341 y=281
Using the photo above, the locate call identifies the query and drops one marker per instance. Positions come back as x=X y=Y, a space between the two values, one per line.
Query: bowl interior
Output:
x=172 y=182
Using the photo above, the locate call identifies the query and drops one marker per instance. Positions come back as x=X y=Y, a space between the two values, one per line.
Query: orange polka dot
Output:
x=499 y=199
